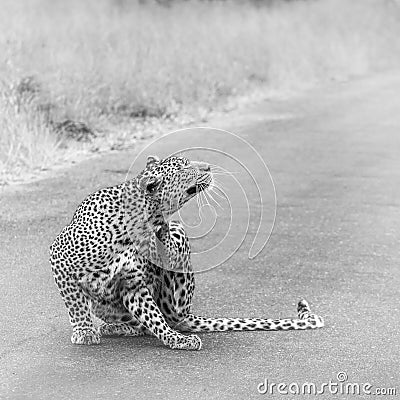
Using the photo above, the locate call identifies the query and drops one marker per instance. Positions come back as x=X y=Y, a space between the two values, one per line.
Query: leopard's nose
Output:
x=201 y=166
x=204 y=167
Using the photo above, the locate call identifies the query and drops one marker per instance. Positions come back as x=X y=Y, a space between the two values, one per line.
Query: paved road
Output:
x=335 y=158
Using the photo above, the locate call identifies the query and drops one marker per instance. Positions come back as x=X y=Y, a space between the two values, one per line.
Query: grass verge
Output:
x=112 y=63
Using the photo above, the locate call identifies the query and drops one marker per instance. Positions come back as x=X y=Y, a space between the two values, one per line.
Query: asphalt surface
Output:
x=334 y=154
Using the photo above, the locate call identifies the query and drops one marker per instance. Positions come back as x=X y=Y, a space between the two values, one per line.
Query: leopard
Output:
x=123 y=264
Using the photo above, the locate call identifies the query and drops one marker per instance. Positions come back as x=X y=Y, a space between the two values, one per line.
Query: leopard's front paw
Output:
x=85 y=336
x=190 y=342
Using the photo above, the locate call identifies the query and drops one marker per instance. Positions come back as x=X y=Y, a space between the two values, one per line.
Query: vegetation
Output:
x=102 y=62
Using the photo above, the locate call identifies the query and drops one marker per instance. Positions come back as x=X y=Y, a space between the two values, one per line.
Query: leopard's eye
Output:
x=151 y=187
x=153 y=184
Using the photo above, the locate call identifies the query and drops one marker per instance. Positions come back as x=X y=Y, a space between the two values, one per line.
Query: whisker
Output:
x=215 y=201
x=222 y=171
x=198 y=201
x=201 y=200
x=222 y=196
x=217 y=185
x=225 y=173
x=206 y=198
x=206 y=203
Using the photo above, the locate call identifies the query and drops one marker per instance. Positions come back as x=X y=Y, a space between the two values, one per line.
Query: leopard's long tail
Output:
x=306 y=320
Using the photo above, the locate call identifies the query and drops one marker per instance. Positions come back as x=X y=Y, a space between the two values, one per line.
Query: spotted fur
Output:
x=120 y=261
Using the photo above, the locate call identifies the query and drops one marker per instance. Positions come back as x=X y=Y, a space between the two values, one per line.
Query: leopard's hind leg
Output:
x=174 y=289
x=175 y=296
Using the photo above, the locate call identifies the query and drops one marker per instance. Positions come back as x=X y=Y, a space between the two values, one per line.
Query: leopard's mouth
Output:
x=193 y=190
x=199 y=187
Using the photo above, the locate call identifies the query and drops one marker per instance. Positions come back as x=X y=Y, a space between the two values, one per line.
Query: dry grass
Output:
x=98 y=60
x=26 y=141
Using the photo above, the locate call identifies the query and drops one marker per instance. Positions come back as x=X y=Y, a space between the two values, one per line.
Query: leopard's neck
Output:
x=142 y=217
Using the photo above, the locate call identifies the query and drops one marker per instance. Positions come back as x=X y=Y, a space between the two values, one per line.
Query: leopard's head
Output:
x=173 y=181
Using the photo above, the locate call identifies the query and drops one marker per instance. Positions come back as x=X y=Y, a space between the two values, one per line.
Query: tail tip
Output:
x=303 y=305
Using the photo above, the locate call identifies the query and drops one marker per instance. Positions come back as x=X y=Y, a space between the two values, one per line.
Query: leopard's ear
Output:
x=152 y=160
